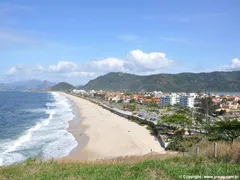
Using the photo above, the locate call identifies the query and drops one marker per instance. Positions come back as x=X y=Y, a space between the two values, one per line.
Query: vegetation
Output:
x=153 y=104
x=62 y=86
x=227 y=129
x=206 y=106
x=155 y=168
x=120 y=101
x=225 y=152
x=101 y=96
x=179 y=120
x=132 y=101
x=214 y=81
x=182 y=111
x=150 y=125
x=130 y=107
x=183 y=144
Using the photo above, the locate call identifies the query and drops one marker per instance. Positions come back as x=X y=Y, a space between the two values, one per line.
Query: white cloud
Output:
x=109 y=64
x=79 y=74
x=40 y=68
x=19 y=73
x=12 y=71
x=148 y=61
x=63 y=67
x=136 y=61
x=235 y=65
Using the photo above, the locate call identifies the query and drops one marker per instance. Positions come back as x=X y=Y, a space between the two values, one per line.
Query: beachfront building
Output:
x=179 y=98
x=83 y=92
x=165 y=100
x=157 y=94
x=92 y=92
x=171 y=99
x=187 y=100
x=78 y=91
x=174 y=99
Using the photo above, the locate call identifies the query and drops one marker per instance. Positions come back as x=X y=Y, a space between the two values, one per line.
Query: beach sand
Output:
x=102 y=134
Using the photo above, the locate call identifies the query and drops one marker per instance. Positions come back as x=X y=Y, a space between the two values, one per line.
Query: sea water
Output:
x=34 y=125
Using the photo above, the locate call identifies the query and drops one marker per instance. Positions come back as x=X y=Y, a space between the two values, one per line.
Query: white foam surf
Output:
x=49 y=138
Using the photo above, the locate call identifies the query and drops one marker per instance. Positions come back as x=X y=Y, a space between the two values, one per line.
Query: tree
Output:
x=227 y=129
x=205 y=106
x=153 y=104
x=132 y=101
x=178 y=119
x=221 y=112
x=198 y=91
x=120 y=101
x=130 y=107
x=182 y=111
x=177 y=105
x=181 y=121
x=169 y=106
x=198 y=119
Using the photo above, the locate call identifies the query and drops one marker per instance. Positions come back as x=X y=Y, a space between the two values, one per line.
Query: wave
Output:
x=39 y=110
x=49 y=137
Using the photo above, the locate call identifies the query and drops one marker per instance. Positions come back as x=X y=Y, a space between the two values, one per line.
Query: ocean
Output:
x=34 y=125
x=226 y=93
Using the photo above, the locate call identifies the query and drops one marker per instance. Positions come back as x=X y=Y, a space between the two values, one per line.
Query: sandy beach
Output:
x=102 y=134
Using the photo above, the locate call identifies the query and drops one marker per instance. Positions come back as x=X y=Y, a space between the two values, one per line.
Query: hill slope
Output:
x=157 y=168
x=62 y=86
x=214 y=81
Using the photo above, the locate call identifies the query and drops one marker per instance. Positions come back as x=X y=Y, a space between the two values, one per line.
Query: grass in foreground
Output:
x=170 y=168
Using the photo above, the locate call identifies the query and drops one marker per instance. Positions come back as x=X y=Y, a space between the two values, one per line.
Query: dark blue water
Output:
x=19 y=111
x=227 y=93
x=34 y=125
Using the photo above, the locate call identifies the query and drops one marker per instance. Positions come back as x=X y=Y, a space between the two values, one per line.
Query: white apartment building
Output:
x=165 y=100
x=157 y=94
x=171 y=99
x=187 y=100
x=78 y=91
x=177 y=98
x=83 y=92
x=174 y=98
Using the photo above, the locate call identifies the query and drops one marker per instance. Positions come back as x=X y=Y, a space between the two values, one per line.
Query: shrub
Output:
x=183 y=144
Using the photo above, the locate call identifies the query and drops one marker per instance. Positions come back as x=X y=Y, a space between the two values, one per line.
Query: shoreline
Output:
x=77 y=130
x=101 y=134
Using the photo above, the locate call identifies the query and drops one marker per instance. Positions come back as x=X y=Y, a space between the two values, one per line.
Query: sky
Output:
x=78 y=40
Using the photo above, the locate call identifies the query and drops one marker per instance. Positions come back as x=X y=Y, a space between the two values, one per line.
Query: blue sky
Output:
x=78 y=40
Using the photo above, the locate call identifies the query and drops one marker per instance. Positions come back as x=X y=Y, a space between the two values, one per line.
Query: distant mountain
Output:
x=45 y=85
x=62 y=86
x=213 y=81
x=30 y=84
x=79 y=87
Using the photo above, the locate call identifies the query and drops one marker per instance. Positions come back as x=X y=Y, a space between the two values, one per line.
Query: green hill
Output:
x=62 y=86
x=213 y=81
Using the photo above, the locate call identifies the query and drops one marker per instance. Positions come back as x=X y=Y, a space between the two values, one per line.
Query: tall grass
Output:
x=226 y=152
x=152 y=168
